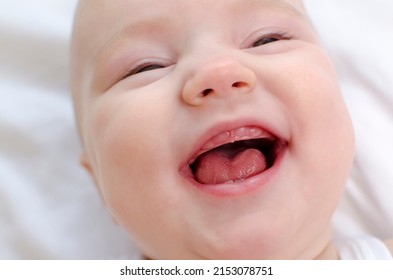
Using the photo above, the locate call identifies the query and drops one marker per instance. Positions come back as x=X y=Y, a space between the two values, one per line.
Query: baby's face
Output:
x=213 y=129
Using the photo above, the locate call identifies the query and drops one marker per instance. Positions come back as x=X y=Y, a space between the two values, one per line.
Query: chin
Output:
x=245 y=243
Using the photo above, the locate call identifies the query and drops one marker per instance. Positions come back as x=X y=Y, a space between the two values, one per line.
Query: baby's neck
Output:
x=329 y=253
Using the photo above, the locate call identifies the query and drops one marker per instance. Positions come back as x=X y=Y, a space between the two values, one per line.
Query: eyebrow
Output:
x=280 y=4
x=150 y=25
x=157 y=23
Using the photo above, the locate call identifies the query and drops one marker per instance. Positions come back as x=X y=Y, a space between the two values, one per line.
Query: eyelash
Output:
x=144 y=67
x=271 y=38
x=264 y=40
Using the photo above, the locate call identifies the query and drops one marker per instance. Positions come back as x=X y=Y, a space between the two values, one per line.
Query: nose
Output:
x=218 y=78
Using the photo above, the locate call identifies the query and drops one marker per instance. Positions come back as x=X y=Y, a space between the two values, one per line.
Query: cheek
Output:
x=132 y=160
x=322 y=141
x=325 y=137
x=127 y=143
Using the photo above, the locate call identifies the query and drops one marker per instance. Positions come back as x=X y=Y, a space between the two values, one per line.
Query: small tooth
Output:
x=222 y=137
x=247 y=132
x=256 y=132
x=241 y=132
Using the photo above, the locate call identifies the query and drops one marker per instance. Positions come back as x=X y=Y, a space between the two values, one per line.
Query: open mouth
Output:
x=235 y=156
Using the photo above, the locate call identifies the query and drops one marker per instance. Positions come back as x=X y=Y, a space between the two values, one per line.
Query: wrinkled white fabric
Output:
x=357 y=36
x=363 y=248
x=49 y=208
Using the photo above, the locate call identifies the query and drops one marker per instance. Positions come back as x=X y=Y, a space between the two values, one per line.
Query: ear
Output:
x=85 y=162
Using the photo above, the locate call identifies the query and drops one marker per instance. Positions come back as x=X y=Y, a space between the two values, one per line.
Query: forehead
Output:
x=141 y=7
x=112 y=15
x=102 y=21
x=159 y=5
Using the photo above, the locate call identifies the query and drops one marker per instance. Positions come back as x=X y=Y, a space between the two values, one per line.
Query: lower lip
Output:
x=239 y=188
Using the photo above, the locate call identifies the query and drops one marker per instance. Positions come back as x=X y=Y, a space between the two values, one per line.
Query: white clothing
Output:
x=363 y=248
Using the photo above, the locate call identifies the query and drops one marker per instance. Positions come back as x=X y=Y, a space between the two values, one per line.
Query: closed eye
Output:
x=270 y=38
x=145 y=67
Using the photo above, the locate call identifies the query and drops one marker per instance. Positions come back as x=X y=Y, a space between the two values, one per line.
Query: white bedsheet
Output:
x=359 y=37
x=48 y=206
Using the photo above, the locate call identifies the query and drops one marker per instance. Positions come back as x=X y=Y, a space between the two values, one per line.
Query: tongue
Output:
x=221 y=166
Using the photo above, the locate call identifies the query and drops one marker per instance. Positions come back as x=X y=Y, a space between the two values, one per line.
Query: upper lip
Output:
x=205 y=143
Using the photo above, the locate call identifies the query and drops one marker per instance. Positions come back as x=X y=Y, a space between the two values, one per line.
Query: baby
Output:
x=212 y=129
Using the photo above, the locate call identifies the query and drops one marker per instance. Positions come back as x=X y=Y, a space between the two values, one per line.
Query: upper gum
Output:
x=241 y=133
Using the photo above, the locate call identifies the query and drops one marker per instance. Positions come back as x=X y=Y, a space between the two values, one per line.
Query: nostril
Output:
x=207 y=92
x=239 y=85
